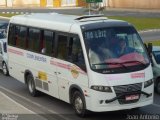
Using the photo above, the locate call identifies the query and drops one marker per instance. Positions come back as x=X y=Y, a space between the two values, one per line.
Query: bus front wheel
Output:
x=78 y=102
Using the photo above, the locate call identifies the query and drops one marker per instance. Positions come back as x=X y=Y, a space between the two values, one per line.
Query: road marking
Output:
x=28 y=100
x=10 y=99
x=21 y=106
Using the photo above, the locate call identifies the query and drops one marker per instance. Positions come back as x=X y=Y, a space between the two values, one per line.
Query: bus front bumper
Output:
x=101 y=101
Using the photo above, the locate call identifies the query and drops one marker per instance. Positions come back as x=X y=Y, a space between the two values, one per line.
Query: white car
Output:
x=3 y=55
x=156 y=67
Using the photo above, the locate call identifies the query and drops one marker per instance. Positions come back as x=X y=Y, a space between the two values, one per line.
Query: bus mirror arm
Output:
x=150 y=48
x=149 y=51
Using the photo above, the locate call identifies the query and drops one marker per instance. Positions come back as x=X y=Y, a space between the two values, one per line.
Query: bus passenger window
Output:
x=75 y=53
x=48 y=43
x=34 y=40
x=11 y=35
x=22 y=37
x=62 y=47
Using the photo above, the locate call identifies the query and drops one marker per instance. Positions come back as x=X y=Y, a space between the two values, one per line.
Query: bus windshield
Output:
x=115 y=49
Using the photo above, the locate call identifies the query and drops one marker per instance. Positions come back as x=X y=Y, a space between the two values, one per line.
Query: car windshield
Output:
x=157 y=56
x=113 y=48
x=3 y=25
x=3 y=29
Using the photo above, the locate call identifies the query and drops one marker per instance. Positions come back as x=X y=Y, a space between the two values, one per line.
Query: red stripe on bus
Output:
x=137 y=75
x=15 y=52
x=62 y=65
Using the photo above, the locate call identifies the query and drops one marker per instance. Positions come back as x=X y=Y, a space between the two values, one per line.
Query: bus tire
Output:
x=78 y=102
x=31 y=86
x=5 y=69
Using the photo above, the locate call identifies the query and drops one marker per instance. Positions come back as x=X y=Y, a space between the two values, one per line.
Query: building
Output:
x=41 y=3
x=136 y=4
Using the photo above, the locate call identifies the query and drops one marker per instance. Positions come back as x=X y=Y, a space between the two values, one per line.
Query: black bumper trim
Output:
x=130 y=93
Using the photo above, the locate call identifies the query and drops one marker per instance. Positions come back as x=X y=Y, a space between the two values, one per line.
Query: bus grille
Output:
x=120 y=90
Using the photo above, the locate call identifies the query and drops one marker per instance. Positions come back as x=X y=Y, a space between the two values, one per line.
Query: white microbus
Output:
x=92 y=62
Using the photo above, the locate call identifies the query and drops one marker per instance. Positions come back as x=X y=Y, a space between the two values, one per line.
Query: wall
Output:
x=144 y=4
x=26 y=3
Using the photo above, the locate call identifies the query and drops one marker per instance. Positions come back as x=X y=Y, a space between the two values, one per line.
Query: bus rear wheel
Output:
x=31 y=86
x=5 y=69
x=78 y=102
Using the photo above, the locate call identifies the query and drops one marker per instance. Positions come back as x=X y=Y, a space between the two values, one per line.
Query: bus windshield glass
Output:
x=115 y=49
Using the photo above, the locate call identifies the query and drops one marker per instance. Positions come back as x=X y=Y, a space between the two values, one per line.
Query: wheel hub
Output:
x=78 y=104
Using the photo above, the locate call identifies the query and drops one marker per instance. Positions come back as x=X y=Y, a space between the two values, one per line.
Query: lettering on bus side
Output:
x=36 y=57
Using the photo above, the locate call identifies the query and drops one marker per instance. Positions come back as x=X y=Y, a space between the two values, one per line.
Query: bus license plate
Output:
x=132 y=97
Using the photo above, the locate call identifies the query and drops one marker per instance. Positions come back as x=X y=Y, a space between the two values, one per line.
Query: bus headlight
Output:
x=148 y=83
x=101 y=88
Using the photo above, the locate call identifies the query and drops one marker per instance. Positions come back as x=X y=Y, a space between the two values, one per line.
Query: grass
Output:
x=8 y=15
x=141 y=23
x=155 y=42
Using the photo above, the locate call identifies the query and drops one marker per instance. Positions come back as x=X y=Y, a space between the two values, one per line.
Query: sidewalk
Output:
x=10 y=109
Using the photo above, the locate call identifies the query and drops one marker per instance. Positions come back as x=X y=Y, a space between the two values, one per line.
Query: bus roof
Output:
x=59 y=21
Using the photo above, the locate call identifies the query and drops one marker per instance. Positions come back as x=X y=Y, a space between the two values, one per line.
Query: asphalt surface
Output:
x=150 y=35
x=54 y=109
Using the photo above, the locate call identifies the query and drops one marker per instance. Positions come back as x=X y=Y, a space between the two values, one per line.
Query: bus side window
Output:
x=34 y=40
x=62 y=47
x=22 y=37
x=17 y=30
x=11 y=35
x=75 y=52
x=49 y=43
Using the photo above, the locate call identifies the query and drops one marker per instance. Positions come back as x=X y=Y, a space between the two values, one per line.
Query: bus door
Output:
x=62 y=67
x=71 y=66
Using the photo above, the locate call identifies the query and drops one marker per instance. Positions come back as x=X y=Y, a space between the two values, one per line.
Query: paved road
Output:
x=82 y=11
x=51 y=108
x=150 y=35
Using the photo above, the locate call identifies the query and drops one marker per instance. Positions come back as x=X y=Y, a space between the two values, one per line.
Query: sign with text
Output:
x=93 y=1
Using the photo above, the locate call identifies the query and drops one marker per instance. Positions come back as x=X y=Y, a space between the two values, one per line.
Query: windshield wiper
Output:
x=133 y=61
x=112 y=63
